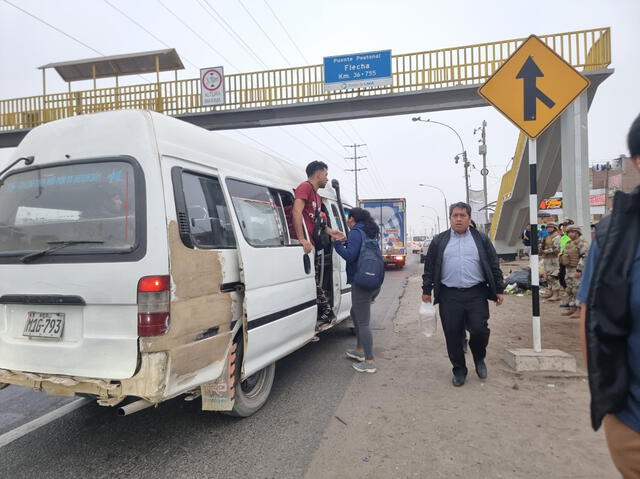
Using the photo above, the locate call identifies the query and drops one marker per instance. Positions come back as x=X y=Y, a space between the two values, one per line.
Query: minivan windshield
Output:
x=88 y=206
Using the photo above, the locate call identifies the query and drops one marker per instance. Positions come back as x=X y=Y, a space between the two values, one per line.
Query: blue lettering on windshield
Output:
x=116 y=176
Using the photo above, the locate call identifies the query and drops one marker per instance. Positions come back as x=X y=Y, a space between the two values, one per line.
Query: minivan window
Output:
x=256 y=213
x=90 y=204
x=208 y=213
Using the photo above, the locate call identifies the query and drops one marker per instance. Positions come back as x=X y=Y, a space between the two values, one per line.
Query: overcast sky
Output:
x=400 y=153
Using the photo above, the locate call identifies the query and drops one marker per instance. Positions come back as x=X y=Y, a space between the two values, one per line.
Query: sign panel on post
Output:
x=533 y=87
x=358 y=70
x=212 y=86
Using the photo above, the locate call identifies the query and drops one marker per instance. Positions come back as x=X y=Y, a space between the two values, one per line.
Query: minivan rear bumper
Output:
x=149 y=383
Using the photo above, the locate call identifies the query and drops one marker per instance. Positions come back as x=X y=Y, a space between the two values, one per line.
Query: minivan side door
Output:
x=278 y=277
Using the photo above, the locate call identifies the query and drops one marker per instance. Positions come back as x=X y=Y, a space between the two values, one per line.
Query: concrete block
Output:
x=546 y=360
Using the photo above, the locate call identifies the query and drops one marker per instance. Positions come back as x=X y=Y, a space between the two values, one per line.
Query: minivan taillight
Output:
x=154 y=298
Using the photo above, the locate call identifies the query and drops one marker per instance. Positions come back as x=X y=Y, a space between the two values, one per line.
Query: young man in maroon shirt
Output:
x=307 y=202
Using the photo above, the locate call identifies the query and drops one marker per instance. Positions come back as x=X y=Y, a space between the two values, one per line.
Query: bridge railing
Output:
x=467 y=65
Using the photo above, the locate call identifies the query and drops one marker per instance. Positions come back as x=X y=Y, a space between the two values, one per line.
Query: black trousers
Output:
x=562 y=275
x=460 y=309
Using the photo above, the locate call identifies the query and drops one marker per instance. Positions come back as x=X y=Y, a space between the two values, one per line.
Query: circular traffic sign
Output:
x=484 y=172
x=211 y=80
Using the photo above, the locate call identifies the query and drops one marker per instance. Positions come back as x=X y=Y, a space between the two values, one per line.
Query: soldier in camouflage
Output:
x=573 y=259
x=550 y=252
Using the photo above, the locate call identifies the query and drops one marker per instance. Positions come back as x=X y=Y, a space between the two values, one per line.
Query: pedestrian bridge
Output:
x=432 y=80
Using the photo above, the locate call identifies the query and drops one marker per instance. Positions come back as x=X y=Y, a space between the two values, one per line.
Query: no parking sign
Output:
x=212 y=86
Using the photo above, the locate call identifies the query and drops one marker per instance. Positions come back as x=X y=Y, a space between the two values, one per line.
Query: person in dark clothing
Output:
x=462 y=271
x=610 y=323
x=359 y=220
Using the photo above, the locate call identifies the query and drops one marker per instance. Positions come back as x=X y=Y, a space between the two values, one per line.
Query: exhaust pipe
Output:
x=134 y=407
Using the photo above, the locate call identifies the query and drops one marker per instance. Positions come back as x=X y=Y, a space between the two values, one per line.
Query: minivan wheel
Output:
x=252 y=393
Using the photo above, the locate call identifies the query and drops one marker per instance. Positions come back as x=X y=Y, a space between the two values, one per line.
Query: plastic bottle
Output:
x=427 y=319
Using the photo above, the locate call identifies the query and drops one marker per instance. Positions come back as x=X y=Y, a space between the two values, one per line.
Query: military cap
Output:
x=574 y=228
x=552 y=224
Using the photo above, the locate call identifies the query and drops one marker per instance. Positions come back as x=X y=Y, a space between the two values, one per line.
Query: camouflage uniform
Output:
x=573 y=258
x=550 y=252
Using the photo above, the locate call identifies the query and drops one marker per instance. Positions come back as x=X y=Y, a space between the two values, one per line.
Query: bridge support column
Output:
x=575 y=164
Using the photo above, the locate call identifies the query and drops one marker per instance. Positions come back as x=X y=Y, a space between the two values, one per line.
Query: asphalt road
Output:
x=178 y=440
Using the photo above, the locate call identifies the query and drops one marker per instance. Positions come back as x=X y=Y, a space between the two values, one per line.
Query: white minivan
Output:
x=144 y=257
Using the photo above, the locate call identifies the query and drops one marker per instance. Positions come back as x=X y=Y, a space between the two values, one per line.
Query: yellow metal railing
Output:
x=596 y=56
x=468 y=65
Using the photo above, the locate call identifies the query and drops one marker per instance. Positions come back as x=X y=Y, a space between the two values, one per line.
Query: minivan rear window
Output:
x=71 y=208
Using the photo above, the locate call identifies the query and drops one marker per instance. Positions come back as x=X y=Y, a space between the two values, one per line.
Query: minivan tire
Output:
x=252 y=393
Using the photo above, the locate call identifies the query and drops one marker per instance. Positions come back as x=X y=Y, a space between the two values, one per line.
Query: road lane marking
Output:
x=25 y=429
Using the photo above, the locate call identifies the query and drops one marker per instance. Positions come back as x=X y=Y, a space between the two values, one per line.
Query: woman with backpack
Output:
x=365 y=274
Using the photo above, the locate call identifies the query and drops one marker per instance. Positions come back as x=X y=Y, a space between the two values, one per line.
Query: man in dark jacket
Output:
x=462 y=271
x=610 y=324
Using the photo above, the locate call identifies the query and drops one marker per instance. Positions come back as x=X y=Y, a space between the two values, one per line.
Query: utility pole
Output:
x=355 y=168
x=484 y=172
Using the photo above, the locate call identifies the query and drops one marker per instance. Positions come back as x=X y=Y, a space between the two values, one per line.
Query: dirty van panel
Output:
x=204 y=268
x=71 y=238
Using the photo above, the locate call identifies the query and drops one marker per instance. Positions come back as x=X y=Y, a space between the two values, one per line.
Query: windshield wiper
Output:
x=55 y=246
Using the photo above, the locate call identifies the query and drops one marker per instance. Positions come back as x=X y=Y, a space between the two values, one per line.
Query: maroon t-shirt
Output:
x=311 y=199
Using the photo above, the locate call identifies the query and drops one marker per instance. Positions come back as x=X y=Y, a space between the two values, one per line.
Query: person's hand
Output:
x=578 y=275
x=338 y=236
x=426 y=298
x=499 y=299
x=306 y=245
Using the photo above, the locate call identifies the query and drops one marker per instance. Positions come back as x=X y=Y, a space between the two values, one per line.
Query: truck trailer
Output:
x=390 y=214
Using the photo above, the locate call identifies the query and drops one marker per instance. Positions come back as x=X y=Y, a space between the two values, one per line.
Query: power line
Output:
x=321 y=140
x=197 y=34
x=280 y=155
x=54 y=28
x=61 y=31
x=355 y=159
x=286 y=31
x=263 y=31
x=147 y=31
x=219 y=19
x=309 y=148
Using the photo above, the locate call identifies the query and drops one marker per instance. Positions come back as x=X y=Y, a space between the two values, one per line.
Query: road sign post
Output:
x=532 y=88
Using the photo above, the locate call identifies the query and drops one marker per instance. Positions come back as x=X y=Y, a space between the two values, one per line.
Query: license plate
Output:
x=44 y=325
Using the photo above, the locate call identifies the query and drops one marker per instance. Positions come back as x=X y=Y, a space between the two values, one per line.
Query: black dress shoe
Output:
x=481 y=369
x=458 y=380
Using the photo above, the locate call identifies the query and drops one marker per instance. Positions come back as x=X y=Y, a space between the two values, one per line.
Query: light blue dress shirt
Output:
x=461 y=266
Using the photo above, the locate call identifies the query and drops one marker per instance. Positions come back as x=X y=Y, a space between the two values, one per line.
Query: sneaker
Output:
x=363 y=367
x=353 y=354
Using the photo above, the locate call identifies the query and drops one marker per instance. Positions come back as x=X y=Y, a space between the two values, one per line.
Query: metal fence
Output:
x=468 y=65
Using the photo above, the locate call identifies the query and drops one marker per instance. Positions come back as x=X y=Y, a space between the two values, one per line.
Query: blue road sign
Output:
x=358 y=70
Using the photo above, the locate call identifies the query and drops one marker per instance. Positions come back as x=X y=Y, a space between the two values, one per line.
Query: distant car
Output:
x=423 y=250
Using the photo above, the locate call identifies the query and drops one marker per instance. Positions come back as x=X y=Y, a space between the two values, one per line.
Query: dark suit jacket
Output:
x=488 y=260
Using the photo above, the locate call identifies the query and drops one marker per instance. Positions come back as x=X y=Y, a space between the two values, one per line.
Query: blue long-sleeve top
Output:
x=350 y=250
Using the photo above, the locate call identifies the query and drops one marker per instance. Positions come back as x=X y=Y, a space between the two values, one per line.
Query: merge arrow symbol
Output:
x=529 y=73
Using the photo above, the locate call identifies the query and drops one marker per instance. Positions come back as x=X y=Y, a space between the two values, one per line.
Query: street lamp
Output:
x=465 y=162
x=446 y=207
x=436 y=212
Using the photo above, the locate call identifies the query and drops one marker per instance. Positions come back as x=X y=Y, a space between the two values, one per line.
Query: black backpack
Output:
x=370 y=265
x=320 y=238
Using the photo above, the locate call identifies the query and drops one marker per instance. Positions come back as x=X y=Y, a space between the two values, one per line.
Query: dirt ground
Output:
x=407 y=420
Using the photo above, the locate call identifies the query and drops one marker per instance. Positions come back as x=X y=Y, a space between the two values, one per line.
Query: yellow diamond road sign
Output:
x=533 y=87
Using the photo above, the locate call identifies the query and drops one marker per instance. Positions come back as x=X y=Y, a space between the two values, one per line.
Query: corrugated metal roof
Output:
x=117 y=65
